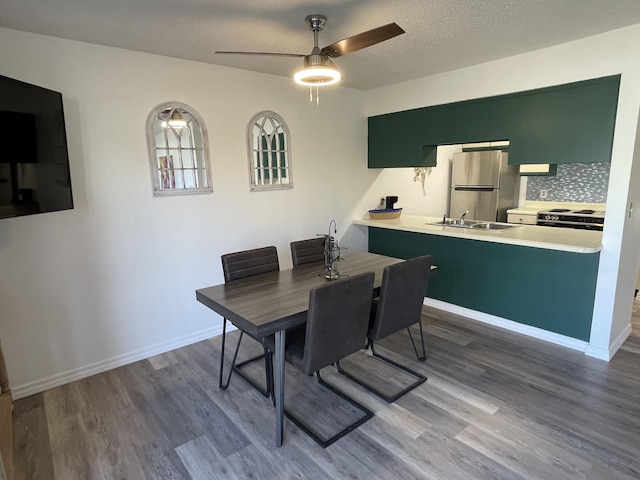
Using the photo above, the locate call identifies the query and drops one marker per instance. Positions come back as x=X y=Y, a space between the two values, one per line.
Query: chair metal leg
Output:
x=235 y=367
x=420 y=379
x=224 y=337
x=324 y=443
x=225 y=385
x=422 y=357
x=268 y=366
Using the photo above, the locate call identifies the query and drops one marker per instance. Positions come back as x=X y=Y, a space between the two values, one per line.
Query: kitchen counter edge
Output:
x=534 y=236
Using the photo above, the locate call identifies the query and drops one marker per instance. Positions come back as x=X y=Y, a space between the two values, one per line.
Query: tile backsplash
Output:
x=573 y=182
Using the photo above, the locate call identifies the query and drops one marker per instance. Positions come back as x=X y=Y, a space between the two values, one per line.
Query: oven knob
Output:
x=547 y=217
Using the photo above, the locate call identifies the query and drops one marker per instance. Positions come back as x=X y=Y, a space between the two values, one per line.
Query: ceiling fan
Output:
x=318 y=69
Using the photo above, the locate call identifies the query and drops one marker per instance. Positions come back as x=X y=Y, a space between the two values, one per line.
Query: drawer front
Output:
x=520 y=218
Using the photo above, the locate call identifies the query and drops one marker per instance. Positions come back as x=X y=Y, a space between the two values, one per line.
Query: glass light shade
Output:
x=317 y=76
x=175 y=121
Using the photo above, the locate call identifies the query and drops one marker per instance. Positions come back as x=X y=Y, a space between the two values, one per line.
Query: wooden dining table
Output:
x=272 y=302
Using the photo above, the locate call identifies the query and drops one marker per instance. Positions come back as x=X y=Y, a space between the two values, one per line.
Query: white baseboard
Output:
x=607 y=355
x=58 y=379
x=534 y=332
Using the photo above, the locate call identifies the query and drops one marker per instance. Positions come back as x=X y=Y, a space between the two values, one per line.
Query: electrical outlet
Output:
x=543 y=193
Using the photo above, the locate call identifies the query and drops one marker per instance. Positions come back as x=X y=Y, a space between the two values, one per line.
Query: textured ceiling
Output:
x=441 y=35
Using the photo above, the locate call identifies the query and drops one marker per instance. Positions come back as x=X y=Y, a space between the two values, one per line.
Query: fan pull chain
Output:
x=317 y=94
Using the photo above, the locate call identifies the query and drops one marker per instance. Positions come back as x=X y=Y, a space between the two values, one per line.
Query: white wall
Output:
x=433 y=201
x=611 y=53
x=114 y=279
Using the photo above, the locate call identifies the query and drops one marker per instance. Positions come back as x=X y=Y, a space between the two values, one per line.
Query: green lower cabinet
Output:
x=547 y=289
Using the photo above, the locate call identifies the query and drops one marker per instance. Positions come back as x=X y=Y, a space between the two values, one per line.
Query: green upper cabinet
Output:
x=570 y=123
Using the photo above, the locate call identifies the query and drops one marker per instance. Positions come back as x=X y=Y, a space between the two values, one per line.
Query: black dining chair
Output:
x=307 y=251
x=399 y=306
x=235 y=266
x=336 y=327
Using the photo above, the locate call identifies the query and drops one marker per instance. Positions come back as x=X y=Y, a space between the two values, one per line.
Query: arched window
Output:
x=178 y=150
x=269 y=152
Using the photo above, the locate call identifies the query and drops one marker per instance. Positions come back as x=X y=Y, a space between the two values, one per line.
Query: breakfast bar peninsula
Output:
x=542 y=277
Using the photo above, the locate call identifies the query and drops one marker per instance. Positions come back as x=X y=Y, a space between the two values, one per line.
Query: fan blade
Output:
x=362 y=40
x=270 y=54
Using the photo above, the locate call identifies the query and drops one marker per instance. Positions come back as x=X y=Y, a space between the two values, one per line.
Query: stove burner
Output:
x=587 y=219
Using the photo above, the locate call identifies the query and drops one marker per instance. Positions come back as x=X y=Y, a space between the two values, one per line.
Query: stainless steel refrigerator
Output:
x=484 y=184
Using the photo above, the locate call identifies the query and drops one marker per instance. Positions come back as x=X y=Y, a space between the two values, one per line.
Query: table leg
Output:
x=279 y=386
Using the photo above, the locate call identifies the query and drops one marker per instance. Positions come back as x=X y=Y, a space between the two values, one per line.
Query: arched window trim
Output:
x=157 y=188
x=257 y=184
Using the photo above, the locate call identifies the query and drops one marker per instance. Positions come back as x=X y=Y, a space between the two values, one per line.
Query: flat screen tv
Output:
x=34 y=163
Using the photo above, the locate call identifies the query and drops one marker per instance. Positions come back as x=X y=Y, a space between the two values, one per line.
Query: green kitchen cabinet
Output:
x=571 y=123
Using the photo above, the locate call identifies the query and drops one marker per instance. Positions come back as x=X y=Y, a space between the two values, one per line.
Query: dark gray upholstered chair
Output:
x=307 y=251
x=236 y=266
x=399 y=306
x=336 y=327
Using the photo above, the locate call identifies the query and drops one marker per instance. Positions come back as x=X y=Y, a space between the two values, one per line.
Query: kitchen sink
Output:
x=492 y=226
x=457 y=223
x=475 y=224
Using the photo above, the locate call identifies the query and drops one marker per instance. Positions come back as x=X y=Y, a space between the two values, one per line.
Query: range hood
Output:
x=531 y=169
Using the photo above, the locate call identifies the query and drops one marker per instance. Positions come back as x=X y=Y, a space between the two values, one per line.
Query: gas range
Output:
x=564 y=217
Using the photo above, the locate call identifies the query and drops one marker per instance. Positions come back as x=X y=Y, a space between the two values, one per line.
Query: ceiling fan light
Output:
x=317 y=76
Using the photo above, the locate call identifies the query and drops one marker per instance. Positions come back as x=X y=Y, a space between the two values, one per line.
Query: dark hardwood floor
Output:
x=497 y=405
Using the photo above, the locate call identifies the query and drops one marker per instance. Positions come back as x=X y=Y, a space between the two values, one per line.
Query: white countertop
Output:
x=551 y=238
x=524 y=211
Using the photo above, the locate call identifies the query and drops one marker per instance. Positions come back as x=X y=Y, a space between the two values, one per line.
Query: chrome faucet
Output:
x=462 y=217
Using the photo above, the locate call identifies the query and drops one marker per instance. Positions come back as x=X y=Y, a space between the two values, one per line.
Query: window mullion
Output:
x=270 y=158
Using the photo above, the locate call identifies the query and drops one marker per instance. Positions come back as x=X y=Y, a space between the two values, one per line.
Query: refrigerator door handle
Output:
x=474 y=189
